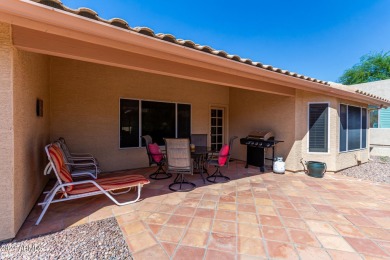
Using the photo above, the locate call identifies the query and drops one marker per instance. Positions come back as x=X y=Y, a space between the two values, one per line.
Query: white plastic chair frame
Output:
x=49 y=199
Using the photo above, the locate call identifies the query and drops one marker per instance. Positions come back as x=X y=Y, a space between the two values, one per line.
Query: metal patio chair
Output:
x=79 y=162
x=78 y=168
x=231 y=141
x=218 y=162
x=156 y=157
x=179 y=161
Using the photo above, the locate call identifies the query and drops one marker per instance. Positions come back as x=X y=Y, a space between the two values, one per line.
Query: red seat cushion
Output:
x=223 y=155
x=155 y=151
x=57 y=158
x=110 y=183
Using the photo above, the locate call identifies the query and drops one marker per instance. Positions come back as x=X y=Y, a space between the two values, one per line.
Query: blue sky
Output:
x=315 y=38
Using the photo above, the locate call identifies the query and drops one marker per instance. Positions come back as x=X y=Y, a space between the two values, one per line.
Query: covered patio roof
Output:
x=53 y=29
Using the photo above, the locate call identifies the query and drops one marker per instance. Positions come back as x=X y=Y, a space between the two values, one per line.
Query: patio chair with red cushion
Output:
x=218 y=162
x=231 y=141
x=68 y=189
x=156 y=157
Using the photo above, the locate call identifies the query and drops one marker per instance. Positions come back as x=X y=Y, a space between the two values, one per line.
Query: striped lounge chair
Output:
x=67 y=189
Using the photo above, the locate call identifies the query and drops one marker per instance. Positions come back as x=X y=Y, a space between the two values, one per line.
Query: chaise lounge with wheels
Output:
x=68 y=189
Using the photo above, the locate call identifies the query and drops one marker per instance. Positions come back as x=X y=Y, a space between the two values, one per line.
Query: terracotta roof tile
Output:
x=186 y=43
x=86 y=12
x=145 y=30
x=166 y=37
x=90 y=14
x=52 y=3
x=119 y=23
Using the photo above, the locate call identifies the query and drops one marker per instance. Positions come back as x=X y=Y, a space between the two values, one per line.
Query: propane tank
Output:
x=279 y=165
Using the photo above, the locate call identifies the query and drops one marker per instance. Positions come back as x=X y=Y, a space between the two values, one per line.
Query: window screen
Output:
x=354 y=127
x=158 y=120
x=183 y=121
x=343 y=128
x=364 y=128
x=374 y=113
x=318 y=127
x=129 y=123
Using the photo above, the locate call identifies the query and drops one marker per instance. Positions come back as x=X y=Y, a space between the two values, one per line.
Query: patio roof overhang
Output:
x=42 y=29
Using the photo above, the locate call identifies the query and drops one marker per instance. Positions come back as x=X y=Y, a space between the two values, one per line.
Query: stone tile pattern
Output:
x=254 y=216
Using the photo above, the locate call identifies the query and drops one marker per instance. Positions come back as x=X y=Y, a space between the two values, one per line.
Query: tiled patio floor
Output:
x=255 y=216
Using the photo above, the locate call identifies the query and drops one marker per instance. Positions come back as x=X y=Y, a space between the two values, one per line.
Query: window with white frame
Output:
x=318 y=127
x=157 y=119
x=353 y=128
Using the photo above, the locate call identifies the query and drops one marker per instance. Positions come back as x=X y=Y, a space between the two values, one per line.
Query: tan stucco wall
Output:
x=31 y=81
x=302 y=104
x=287 y=118
x=24 y=77
x=6 y=135
x=251 y=111
x=334 y=159
x=85 y=106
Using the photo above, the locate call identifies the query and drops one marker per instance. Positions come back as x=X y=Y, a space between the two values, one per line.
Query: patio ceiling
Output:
x=42 y=29
x=56 y=45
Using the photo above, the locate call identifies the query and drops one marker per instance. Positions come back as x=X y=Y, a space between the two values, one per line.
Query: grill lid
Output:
x=264 y=135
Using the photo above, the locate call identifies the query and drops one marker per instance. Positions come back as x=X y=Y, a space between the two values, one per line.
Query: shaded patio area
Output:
x=254 y=216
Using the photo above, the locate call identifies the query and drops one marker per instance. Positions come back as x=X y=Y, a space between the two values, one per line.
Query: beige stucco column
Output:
x=24 y=77
x=6 y=135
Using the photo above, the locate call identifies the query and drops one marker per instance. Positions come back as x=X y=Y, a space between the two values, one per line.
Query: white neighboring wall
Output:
x=380 y=88
x=379 y=137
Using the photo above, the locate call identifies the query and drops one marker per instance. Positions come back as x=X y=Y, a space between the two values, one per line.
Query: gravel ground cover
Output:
x=97 y=240
x=376 y=170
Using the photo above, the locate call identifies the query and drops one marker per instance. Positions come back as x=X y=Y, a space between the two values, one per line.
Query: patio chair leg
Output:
x=49 y=200
x=181 y=181
x=127 y=202
x=47 y=204
x=218 y=174
x=160 y=171
x=204 y=179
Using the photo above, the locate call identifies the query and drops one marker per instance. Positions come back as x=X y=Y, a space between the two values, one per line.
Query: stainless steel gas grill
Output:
x=256 y=142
